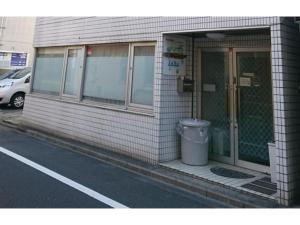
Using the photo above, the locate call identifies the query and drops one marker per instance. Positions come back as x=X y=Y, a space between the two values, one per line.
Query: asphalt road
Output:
x=23 y=185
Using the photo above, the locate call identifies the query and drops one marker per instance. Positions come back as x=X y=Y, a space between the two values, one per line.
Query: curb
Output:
x=194 y=185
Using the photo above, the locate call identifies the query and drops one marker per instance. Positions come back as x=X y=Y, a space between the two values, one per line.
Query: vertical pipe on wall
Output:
x=1 y=27
x=193 y=78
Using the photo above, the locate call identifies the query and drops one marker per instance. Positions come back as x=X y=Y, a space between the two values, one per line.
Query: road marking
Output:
x=64 y=180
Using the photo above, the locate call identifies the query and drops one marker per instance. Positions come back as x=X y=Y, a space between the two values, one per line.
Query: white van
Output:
x=14 y=87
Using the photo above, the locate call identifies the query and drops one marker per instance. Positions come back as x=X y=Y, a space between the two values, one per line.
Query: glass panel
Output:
x=255 y=115
x=48 y=70
x=73 y=72
x=215 y=79
x=143 y=73
x=105 y=73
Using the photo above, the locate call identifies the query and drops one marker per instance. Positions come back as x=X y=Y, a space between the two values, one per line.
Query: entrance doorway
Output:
x=236 y=97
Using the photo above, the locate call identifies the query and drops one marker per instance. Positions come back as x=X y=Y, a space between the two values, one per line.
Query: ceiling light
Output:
x=215 y=36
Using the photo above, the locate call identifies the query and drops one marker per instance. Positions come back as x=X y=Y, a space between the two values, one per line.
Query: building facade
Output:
x=123 y=83
x=16 y=42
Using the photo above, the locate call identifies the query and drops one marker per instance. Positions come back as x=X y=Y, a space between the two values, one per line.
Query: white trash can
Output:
x=194 y=141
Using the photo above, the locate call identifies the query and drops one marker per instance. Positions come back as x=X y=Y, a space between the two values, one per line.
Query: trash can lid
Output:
x=194 y=122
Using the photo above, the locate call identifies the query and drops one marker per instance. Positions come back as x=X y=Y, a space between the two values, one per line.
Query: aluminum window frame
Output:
x=79 y=98
x=131 y=105
x=237 y=161
x=102 y=103
x=220 y=158
x=63 y=78
x=33 y=70
x=46 y=93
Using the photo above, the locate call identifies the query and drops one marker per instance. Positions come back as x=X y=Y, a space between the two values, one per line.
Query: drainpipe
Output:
x=1 y=27
x=193 y=78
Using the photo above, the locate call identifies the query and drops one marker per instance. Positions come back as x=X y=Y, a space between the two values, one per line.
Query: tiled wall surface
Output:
x=177 y=106
x=152 y=138
x=131 y=134
x=57 y=31
x=286 y=82
x=16 y=34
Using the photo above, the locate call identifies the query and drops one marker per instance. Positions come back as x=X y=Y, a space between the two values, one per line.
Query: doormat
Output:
x=263 y=185
x=224 y=172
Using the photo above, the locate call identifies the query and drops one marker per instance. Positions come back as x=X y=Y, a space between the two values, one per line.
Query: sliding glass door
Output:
x=236 y=97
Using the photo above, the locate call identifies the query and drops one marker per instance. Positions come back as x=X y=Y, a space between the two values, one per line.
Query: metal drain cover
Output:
x=263 y=185
x=224 y=172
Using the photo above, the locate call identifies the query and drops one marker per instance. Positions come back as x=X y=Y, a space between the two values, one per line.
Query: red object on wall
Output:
x=89 y=51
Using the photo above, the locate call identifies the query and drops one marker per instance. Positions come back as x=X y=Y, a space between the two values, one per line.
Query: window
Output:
x=142 y=75
x=48 y=70
x=119 y=74
x=8 y=74
x=19 y=74
x=73 y=72
x=105 y=73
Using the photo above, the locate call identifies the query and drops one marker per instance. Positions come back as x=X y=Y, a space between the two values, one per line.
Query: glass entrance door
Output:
x=216 y=104
x=236 y=97
x=254 y=109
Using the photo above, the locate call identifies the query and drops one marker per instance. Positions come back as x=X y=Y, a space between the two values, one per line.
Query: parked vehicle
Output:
x=14 y=87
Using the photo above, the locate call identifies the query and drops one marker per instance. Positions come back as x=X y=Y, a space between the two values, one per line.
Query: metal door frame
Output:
x=233 y=104
x=225 y=159
x=237 y=161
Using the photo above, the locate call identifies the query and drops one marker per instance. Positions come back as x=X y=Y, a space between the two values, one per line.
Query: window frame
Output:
x=45 y=93
x=33 y=70
x=63 y=78
x=98 y=102
x=78 y=98
x=130 y=104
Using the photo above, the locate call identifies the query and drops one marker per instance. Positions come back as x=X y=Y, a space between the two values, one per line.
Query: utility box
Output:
x=184 y=84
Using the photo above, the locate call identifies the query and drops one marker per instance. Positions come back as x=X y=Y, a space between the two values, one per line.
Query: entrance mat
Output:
x=224 y=172
x=263 y=185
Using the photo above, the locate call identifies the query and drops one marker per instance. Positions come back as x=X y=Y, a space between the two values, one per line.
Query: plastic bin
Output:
x=194 y=141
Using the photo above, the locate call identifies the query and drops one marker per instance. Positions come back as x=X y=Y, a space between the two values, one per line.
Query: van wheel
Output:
x=17 y=100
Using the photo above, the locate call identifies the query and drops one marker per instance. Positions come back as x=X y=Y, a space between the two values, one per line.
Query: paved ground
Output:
x=22 y=185
x=7 y=112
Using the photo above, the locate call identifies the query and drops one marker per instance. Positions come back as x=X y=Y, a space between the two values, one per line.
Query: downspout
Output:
x=1 y=27
x=193 y=40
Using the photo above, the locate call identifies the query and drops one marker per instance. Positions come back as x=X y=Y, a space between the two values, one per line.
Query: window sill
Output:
x=94 y=104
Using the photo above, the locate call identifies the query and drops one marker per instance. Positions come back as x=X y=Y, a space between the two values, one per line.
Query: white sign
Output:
x=245 y=81
x=13 y=60
x=174 y=56
x=209 y=87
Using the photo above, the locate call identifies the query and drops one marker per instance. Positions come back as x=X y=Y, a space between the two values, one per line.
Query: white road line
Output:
x=64 y=180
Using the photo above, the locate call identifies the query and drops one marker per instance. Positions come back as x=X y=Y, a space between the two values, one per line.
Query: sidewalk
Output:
x=161 y=173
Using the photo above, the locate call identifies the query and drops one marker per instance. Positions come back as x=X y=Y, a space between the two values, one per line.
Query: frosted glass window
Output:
x=48 y=70
x=142 y=75
x=105 y=73
x=73 y=72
